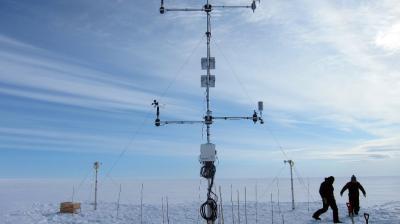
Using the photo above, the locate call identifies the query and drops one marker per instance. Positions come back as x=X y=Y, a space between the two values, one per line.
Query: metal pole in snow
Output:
x=96 y=168
x=291 y=164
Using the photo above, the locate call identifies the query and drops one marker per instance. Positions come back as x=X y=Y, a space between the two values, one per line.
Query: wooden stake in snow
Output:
x=256 y=190
x=167 y=212
x=238 y=207
x=283 y=219
x=198 y=213
x=233 y=214
x=308 y=194
x=279 y=205
x=245 y=205
x=221 y=210
x=119 y=198
x=272 y=210
x=162 y=209
x=141 y=204
x=96 y=168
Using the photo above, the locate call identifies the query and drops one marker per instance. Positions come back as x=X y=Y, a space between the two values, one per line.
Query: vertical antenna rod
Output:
x=209 y=209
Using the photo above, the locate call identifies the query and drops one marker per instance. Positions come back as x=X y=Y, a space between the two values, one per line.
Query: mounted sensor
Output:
x=204 y=63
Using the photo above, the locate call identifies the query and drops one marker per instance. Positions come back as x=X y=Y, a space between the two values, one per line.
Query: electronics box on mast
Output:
x=207 y=153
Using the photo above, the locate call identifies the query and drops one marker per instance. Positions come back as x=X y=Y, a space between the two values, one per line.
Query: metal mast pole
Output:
x=208 y=33
x=208 y=124
x=209 y=209
x=96 y=168
x=291 y=164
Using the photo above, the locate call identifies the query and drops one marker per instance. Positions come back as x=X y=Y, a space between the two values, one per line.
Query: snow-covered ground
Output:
x=37 y=201
x=387 y=213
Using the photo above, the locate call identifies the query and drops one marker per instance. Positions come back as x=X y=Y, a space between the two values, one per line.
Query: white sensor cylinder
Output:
x=207 y=153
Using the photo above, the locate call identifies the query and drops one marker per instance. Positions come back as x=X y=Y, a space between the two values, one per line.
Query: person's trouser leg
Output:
x=356 y=205
x=334 y=208
x=322 y=210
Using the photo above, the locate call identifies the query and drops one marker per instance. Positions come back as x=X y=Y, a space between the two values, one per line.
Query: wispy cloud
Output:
x=373 y=149
x=327 y=71
x=40 y=75
x=350 y=79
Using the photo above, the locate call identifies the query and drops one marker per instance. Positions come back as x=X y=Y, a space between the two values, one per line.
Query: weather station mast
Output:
x=208 y=153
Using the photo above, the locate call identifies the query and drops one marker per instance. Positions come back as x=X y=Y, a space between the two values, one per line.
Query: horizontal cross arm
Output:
x=233 y=118
x=180 y=122
x=231 y=6
x=183 y=10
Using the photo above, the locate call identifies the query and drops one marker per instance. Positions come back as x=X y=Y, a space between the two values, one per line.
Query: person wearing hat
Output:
x=328 y=199
x=354 y=186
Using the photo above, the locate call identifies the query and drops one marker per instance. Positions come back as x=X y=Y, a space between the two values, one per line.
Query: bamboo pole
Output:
x=256 y=204
x=279 y=205
x=238 y=206
x=272 y=210
x=308 y=194
x=119 y=197
x=167 y=212
x=233 y=214
x=245 y=205
x=198 y=213
x=162 y=209
x=141 y=204
x=222 y=208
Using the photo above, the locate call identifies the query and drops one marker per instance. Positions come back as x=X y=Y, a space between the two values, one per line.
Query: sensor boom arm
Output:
x=207 y=7
x=207 y=119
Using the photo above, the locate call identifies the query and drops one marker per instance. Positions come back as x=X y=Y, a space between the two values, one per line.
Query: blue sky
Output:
x=77 y=79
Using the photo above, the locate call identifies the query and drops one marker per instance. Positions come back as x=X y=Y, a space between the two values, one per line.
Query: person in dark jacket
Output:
x=354 y=186
x=328 y=199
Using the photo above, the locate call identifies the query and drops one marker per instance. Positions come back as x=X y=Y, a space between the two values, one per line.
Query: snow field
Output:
x=185 y=213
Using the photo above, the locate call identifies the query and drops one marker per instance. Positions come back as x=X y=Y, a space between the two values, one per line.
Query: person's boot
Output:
x=338 y=221
x=316 y=217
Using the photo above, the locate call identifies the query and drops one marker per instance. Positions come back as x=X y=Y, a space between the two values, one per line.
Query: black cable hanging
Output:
x=209 y=209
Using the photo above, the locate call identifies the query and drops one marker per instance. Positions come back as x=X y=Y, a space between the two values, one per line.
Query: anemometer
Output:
x=208 y=152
